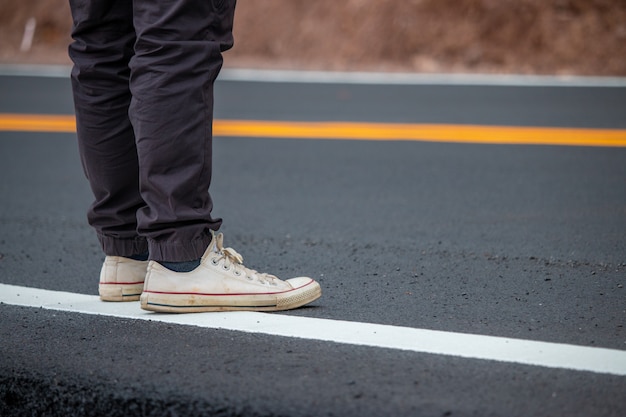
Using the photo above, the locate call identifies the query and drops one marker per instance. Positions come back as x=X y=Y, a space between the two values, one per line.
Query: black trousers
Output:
x=142 y=81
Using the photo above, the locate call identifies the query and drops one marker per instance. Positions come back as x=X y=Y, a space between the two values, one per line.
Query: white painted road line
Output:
x=360 y=77
x=404 y=78
x=527 y=352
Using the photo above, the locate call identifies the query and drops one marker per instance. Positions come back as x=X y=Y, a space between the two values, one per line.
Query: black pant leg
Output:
x=104 y=39
x=177 y=59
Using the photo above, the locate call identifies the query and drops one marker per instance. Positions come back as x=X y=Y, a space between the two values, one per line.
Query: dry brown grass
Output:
x=509 y=36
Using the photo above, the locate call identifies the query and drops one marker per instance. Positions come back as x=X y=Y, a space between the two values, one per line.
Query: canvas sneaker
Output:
x=121 y=279
x=223 y=283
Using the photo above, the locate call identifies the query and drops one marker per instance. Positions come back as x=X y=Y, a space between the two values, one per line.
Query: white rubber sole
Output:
x=165 y=302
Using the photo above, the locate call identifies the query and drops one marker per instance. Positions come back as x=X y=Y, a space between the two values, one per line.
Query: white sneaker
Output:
x=121 y=279
x=223 y=283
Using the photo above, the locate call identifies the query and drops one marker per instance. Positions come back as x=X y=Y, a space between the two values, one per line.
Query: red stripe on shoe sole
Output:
x=229 y=294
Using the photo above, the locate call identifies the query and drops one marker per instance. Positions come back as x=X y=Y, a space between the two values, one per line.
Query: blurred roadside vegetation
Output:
x=583 y=37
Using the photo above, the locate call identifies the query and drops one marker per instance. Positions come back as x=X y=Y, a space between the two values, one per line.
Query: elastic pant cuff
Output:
x=123 y=247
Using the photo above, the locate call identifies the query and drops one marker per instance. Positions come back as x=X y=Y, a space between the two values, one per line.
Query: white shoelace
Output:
x=230 y=258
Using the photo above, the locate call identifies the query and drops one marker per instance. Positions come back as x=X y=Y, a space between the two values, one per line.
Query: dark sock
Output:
x=139 y=257
x=186 y=266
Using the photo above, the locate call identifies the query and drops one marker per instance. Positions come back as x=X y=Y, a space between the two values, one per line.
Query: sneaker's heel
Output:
x=121 y=279
x=120 y=292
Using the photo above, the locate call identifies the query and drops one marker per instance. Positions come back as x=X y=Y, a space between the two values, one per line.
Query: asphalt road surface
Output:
x=514 y=241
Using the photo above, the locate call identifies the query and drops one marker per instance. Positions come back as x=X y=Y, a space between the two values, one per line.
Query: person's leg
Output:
x=103 y=44
x=177 y=59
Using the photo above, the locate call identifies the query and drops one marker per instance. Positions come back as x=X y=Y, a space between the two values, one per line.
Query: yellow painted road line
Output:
x=37 y=123
x=423 y=132
x=364 y=131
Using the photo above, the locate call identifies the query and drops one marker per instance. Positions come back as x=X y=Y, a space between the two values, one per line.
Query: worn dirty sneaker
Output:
x=223 y=283
x=121 y=279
